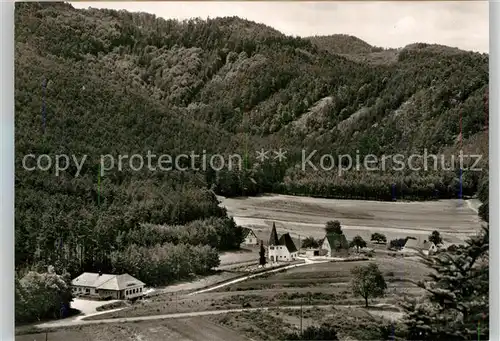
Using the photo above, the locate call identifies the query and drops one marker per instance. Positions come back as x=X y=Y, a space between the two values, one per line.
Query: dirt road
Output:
x=182 y=329
x=244 y=278
x=182 y=315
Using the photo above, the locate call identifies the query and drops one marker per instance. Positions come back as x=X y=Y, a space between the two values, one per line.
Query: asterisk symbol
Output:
x=262 y=155
x=280 y=155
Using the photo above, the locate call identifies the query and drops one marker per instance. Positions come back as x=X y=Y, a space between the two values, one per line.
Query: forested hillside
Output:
x=125 y=83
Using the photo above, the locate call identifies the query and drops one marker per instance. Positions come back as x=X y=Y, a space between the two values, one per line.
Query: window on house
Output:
x=271 y=247
x=87 y=290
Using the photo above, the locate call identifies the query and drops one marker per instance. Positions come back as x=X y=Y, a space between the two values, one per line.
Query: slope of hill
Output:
x=355 y=49
x=125 y=83
x=343 y=44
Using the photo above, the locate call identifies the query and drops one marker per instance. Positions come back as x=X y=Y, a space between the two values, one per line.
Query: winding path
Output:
x=63 y=323
x=80 y=320
x=244 y=278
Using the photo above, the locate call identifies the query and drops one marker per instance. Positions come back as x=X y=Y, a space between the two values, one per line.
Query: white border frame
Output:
x=7 y=170
x=494 y=157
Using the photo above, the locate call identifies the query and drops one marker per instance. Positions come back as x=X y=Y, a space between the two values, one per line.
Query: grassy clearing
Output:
x=350 y=323
x=398 y=272
x=245 y=255
x=198 y=282
x=316 y=284
x=257 y=325
x=189 y=329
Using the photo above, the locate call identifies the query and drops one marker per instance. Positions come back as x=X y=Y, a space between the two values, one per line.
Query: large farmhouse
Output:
x=335 y=245
x=282 y=249
x=103 y=286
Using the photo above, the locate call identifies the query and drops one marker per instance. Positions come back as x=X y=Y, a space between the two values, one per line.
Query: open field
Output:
x=306 y=216
x=329 y=277
x=323 y=289
x=188 y=329
x=314 y=284
x=353 y=323
x=246 y=255
x=197 y=283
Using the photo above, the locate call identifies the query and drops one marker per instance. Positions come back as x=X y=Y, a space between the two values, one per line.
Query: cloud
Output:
x=462 y=24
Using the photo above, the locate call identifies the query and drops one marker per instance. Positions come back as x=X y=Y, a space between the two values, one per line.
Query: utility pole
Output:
x=301 y=314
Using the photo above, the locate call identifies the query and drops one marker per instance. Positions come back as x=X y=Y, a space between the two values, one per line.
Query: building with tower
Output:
x=281 y=249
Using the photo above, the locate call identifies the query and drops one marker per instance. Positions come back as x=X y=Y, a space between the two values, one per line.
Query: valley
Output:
x=306 y=216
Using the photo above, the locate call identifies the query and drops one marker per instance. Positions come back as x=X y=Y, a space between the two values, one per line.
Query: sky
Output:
x=462 y=24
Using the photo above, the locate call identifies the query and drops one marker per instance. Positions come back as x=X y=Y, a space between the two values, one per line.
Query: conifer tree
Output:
x=262 y=254
x=456 y=299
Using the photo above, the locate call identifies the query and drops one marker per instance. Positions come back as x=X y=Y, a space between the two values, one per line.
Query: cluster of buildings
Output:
x=283 y=249
x=279 y=249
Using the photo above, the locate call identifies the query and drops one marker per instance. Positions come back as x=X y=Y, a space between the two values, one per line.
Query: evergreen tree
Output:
x=262 y=254
x=456 y=299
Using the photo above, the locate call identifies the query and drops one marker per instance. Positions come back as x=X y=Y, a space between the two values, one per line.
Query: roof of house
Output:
x=287 y=241
x=105 y=281
x=247 y=231
x=336 y=241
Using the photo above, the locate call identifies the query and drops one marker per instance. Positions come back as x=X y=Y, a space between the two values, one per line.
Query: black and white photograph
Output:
x=250 y=171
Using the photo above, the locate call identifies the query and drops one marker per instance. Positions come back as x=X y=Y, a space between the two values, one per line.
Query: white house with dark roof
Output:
x=102 y=286
x=250 y=238
x=417 y=245
x=282 y=249
x=335 y=245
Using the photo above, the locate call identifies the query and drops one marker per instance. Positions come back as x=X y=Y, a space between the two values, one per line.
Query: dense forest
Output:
x=96 y=82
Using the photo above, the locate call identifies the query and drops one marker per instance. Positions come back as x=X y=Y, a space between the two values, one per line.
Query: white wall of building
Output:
x=326 y=246
x=133 y=292
x=250 y=240
x=280 y=253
